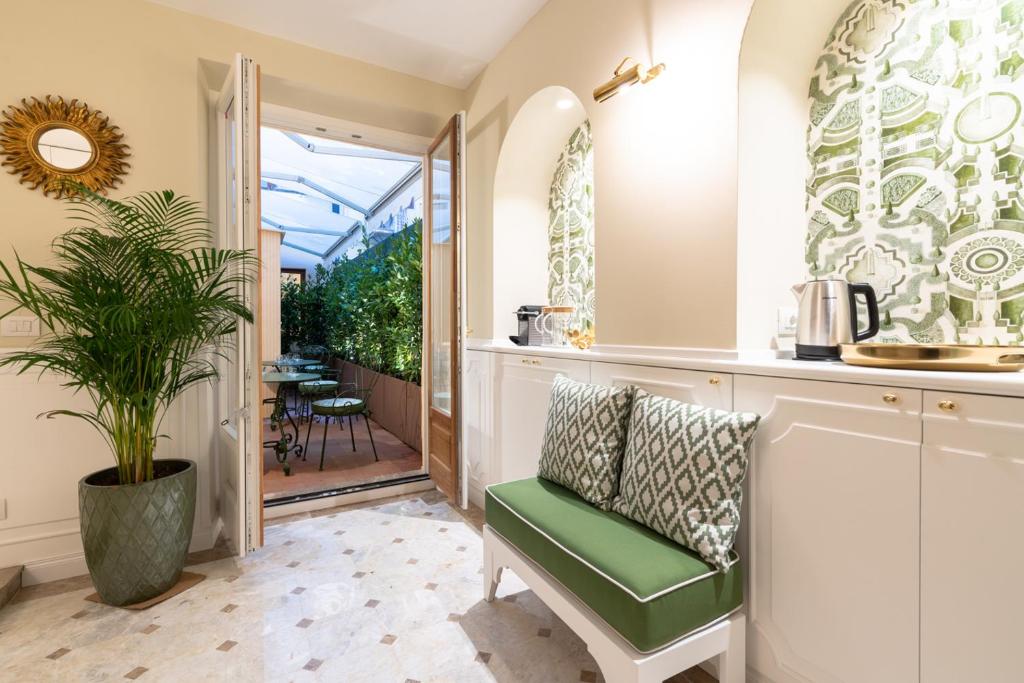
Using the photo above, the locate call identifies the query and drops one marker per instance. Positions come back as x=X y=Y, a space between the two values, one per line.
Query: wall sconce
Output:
x=626 y=76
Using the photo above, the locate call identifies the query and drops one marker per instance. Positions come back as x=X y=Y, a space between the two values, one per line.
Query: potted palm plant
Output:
x=134 y=312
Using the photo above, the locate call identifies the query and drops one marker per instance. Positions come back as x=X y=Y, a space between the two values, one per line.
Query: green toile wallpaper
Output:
x=916 y=151
x=571 y=228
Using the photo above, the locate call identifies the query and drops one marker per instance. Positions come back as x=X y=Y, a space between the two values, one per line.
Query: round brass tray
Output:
x=948 y=357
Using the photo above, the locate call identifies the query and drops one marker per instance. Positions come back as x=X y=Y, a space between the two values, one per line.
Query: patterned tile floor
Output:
x=387 y=592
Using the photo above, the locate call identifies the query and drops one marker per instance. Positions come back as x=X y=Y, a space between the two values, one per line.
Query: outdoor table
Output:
x=289 y=363
x=283 y=380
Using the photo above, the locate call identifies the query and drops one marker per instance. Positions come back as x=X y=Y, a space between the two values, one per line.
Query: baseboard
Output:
x=476 y=494
x=54 y=569
x=68 y=565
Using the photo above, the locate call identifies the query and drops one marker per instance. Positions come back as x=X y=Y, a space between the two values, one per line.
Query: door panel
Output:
x=524 y=389
x=239 y=471
x=832 y=527
x=972 y=511
x=442 y=291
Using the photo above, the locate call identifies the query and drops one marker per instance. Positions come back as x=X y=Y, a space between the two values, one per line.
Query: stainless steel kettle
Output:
x=827 y=317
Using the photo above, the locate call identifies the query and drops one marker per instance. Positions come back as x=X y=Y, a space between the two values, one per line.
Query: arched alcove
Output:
x=879 y=143
x=540 y=183
x=781 y=44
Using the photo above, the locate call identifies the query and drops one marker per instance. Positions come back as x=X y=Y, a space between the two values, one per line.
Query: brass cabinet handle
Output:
x=528 y=361
x=948 y=406
x=891 y=399
x=535 y=362
x=714 y=381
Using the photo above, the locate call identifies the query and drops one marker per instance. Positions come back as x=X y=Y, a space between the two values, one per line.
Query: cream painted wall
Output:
x=150 y=69
x=782 y=42
x=664 y=161
x=522 y=185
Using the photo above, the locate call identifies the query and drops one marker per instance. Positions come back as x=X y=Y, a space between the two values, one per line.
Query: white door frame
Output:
x=239 y=440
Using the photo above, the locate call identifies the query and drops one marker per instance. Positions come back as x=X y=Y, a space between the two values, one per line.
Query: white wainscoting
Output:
x=43 y=460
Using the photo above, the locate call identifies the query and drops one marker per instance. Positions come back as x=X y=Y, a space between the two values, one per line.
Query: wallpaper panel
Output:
x=571 y=228
x=915 y=152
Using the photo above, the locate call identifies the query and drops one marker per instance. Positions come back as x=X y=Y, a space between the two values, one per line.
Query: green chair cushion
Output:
x=338 y=406
x=318 y=386
x=647 y=588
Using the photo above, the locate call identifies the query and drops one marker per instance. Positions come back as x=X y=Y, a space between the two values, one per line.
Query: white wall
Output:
x=154 y=84
x=664 y=162
x=780 y=47
x=522 y=183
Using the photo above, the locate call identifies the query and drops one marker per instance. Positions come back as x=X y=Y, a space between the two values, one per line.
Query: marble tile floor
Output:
x=381 y=592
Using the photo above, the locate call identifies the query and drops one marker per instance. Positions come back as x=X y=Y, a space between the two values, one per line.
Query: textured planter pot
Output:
x=136 y=536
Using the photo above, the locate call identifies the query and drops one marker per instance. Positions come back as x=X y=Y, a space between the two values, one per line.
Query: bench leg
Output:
x=732 y=664
x=492 y=572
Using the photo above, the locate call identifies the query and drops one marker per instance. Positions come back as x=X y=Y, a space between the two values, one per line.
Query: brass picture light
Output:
x=629 y=72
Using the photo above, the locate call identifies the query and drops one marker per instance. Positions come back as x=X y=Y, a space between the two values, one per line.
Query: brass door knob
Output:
x=891 y=399
x=948 y=406
x=714 y=381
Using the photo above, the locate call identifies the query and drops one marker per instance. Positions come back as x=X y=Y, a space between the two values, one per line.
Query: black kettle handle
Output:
x=872 y=303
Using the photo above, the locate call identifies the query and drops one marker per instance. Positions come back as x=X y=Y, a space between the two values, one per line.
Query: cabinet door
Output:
x=477 y=421
x=833 y=531
x=702 y=388
x=524 y=387
x=972 y=539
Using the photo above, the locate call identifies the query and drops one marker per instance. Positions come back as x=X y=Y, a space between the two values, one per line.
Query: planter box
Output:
x=394 y=404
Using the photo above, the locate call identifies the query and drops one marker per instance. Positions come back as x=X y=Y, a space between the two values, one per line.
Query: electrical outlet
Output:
x=786 y=326
x=20 y=326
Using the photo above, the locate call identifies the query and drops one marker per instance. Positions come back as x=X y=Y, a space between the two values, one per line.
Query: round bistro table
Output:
x=288 y=442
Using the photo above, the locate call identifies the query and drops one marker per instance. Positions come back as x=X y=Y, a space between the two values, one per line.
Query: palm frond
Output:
x=135 y=311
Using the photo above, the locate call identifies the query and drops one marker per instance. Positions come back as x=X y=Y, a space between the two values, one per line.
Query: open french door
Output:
x=239 y=440
x=442 y=238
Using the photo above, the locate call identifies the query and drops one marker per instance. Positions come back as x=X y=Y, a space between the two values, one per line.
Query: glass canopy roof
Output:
x=319 y=191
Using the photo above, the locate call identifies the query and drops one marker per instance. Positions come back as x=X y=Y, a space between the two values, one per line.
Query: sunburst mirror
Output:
x=53 y=143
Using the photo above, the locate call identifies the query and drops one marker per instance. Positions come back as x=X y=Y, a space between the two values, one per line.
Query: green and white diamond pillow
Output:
x=585 y=437
x=683 y=471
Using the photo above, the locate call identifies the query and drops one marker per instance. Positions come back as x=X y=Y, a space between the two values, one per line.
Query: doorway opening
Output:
x=342 y=313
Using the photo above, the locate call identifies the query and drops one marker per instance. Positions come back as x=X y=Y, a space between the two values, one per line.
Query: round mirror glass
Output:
x=64 y=148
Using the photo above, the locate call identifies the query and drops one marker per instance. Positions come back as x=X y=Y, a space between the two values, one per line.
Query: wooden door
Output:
x=832 y=557
x=972 y=527
x=442 y=335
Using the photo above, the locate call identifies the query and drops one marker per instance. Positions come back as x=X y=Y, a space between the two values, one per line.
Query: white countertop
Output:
x=774 y=364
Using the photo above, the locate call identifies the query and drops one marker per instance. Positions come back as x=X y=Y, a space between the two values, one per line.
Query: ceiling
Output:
x=446 y=41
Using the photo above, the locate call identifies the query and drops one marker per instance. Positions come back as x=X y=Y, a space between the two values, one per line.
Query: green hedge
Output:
x=367 y=310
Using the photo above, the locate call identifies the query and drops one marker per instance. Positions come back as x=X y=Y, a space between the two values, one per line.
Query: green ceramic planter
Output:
x=136 y=537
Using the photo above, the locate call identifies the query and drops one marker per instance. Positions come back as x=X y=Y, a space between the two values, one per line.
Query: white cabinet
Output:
x=833 y=525
x=690 y=386
x=477 y=421
x=523 y=386
x=972 y=539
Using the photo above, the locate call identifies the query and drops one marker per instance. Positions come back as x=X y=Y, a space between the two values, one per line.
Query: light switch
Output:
x=787 y=316
x=20 y=326
x=3 y=509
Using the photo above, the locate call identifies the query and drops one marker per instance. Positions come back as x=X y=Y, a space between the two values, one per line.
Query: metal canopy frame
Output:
x=324 y=194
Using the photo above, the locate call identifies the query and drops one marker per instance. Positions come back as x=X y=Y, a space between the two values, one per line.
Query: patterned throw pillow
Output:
x=682 y=473
x=585 y=438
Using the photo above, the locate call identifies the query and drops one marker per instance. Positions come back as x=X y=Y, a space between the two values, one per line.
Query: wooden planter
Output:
x=394 y=404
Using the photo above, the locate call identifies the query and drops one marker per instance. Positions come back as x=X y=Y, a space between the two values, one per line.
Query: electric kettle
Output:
x=827 y=317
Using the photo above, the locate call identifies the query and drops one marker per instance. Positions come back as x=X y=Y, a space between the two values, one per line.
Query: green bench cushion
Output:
x=649 y=589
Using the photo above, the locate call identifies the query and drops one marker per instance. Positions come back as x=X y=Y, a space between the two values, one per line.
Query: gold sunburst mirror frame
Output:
x=53 y=143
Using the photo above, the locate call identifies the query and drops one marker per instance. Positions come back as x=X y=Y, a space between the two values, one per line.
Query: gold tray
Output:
x=949 y=357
